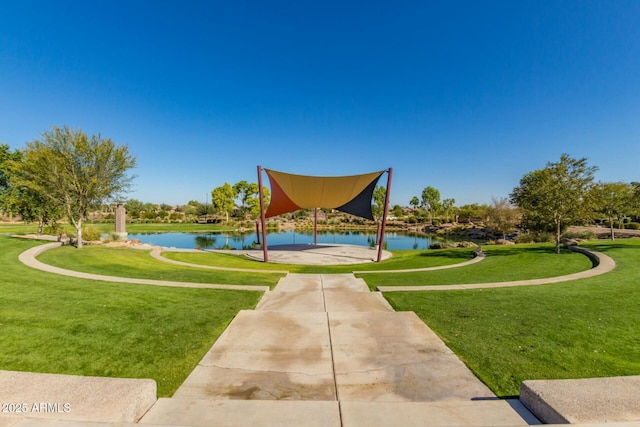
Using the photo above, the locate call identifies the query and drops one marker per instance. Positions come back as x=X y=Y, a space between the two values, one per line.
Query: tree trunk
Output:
x=613 y=234
x=79 y=233
x=558 y=235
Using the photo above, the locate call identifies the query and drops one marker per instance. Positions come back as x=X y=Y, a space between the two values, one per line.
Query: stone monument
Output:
x=121 y=231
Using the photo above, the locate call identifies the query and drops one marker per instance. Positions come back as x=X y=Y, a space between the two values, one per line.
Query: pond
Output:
x=393 y=240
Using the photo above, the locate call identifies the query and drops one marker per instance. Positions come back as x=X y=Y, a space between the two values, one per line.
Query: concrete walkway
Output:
x=321 y=350
x=28 y=258
x=602 y=264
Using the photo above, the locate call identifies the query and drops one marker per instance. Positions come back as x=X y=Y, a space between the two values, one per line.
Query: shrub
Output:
x=584 y=235
x=633 y=226
x=53 y=229
x=91 y=233
x=524 y=238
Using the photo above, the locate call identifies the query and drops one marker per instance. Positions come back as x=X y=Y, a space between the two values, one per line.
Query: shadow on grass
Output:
x=511 y=251
x=448 y=254
x=612 y=245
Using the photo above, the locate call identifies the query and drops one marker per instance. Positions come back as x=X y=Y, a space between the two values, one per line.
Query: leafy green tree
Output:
x=502 y=216
x=222 y=199
x=447 y=207
x=430 y=201
x=379 y=194
x=473 y=210
x=414 y=202
x=615 y=200
x=7 y=157
x=397 y=211
x=253 y=202
x=134 y=207
x=244 y=191
x=75 y=172
x=557 y=196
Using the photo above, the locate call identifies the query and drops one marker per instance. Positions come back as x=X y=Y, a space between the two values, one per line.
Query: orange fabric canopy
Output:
x=350 y=194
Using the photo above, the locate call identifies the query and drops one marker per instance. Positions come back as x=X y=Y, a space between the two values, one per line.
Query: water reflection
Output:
x=393 y=240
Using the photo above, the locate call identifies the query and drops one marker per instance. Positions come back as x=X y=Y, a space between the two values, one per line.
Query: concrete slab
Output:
x=267 y=355
x=396 y=357
x=70 y=397
x=300 y=301
x=343 y=282
x=212 y=413
x=478 y=413
x=337 y=301
x=592 y=400
x=299 y=282
x=321 y=254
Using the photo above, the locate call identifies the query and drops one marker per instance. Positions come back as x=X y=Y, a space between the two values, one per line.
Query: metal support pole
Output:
x=315 y=226
x=265 y=252
x=384 y=214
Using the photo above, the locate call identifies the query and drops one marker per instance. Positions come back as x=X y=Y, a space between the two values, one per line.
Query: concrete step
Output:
x=458 y=413
x=294 y=282
x=265 y=355
x=450 y=413
x=340 y=301
x=74 y=398
x=587 y=400
x=294 y=301
x=394 y=356
x=241 y=413
x=328 y=301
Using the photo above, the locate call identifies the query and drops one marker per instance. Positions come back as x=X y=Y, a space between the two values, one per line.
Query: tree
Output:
x=253 y=202
x=447 y=206
x=615 y=200
x=75 y=172
x=430 y=201
x=502 y=216
x=7 y=158
x=379 y=194
x=243 y=191
x=469 y=212
x=222 y=199
x=134 y=208
x=397 y=211
x=414 y=202
x=557 y=196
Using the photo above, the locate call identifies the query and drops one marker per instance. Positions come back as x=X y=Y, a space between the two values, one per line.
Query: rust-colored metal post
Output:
x=384 y=214
x=315 y=226
x=265 y=252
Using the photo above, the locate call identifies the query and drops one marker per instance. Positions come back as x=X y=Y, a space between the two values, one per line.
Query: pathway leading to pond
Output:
x=321 y=350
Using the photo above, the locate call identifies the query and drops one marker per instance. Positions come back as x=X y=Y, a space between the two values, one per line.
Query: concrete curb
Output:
x=588 y=400
x=603 y=264
x=414 y=270
x=28 y=258
x=77 y=398
x=156 y=253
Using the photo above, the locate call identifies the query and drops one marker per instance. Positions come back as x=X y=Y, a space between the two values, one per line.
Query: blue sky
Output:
x=464 y=96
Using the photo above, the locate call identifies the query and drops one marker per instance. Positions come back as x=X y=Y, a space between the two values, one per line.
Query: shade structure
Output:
x=350 y=194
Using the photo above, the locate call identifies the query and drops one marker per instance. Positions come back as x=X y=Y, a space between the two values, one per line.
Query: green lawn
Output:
x=502 y=264
x=156 y=227
x=402 y=259
x=578 y=329
x=57 y=324
x=137 y=263
x=17 y=228
x=584 y=328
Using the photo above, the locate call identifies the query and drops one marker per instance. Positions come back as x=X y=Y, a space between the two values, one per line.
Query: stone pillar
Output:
x=121 y=231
